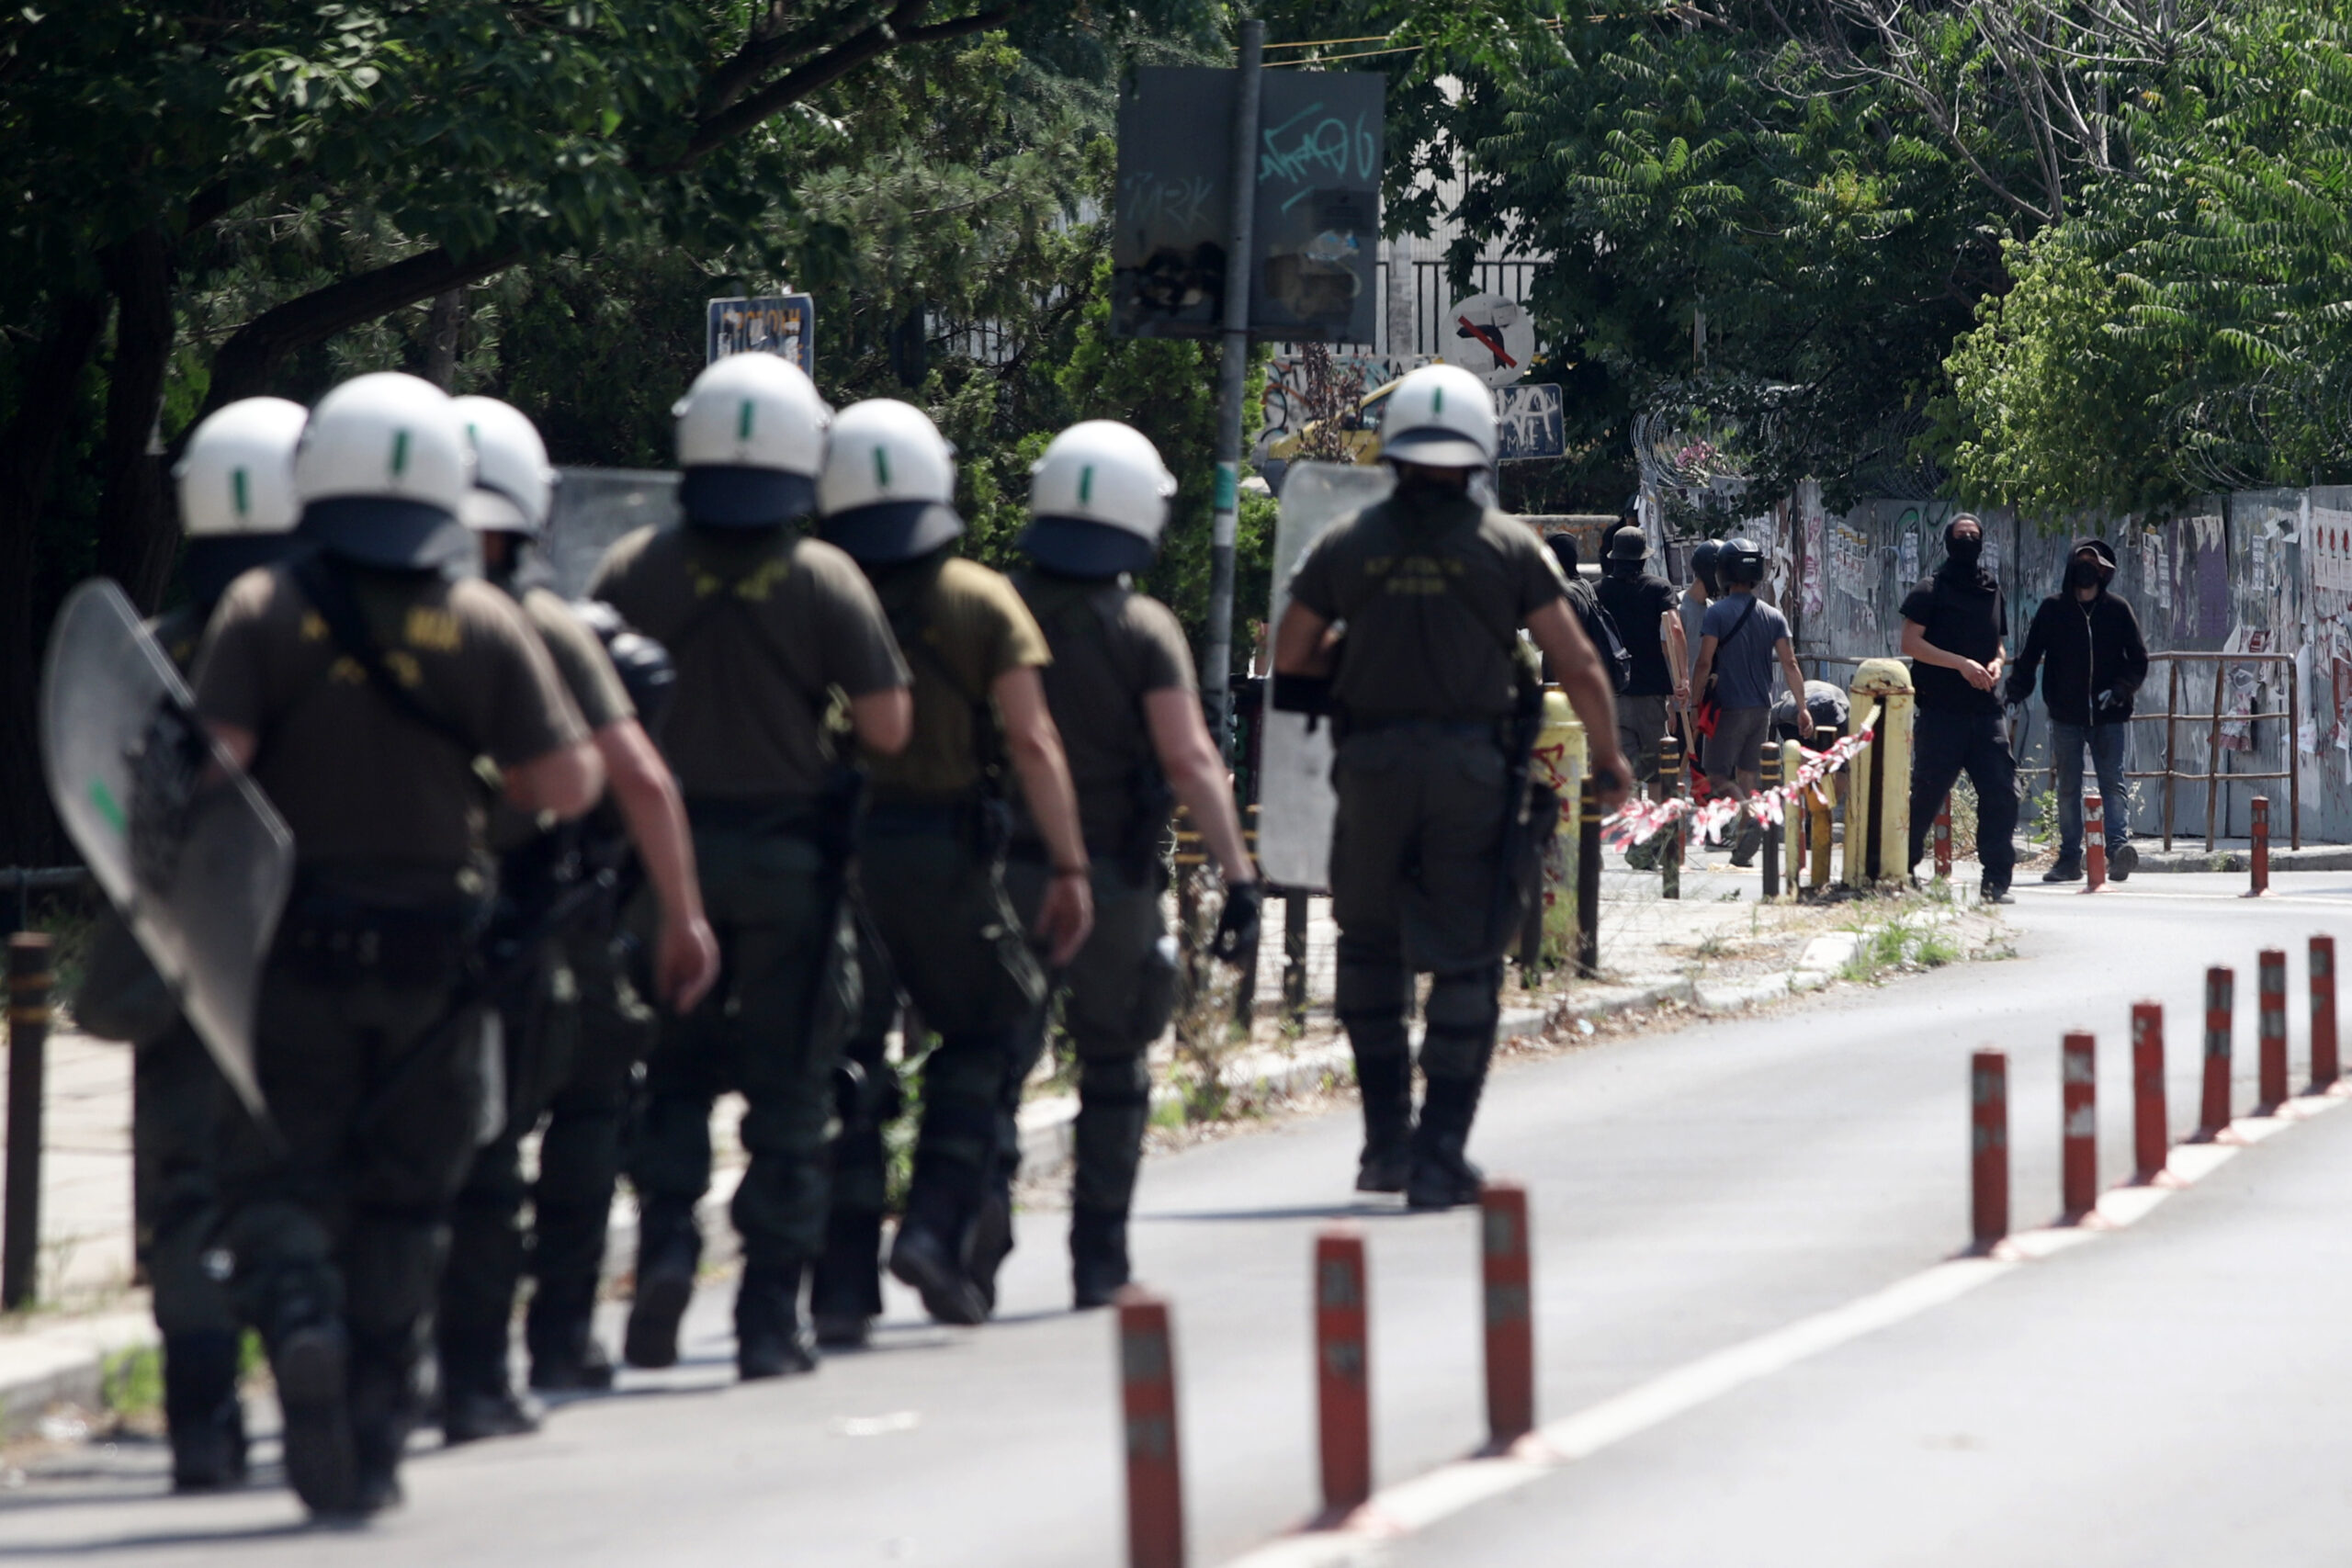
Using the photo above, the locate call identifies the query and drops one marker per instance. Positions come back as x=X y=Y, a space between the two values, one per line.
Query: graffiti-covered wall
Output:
x=2261 y=571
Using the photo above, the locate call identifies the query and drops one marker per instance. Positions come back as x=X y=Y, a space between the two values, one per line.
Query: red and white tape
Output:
x=1638 y=822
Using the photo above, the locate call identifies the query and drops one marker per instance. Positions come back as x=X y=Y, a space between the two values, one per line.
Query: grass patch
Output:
x=131 y=1381
x=1897 y=946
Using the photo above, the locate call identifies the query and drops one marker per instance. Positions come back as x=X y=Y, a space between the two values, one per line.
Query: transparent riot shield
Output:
x=1296 y=802
x=595 y=508
x=190 y=853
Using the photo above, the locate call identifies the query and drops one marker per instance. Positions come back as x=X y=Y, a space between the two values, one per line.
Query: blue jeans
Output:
x=2106 y=742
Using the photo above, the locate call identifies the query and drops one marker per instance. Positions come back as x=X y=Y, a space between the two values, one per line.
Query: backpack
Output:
x=1600 y=626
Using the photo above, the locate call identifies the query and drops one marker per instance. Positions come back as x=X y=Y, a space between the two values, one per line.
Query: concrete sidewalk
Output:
x=1717 y=948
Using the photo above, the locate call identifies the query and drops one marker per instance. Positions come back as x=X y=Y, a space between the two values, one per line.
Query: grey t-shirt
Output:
x=1743 y=663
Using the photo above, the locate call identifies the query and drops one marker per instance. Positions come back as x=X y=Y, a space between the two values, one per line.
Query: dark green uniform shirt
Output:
x=1432 y=598
x=963 y=627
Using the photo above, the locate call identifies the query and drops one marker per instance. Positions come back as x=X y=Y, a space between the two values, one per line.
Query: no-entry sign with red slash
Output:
x=1343 y=1368
x=1511 y=1326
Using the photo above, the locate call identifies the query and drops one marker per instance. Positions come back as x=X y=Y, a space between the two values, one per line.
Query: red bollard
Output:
x=1148 y=1389
x=1943 y=840
x=2220 y=997
x=2078 y=1112
x=2325 y=1067
x=1988 y=1115
x=1342 y=1369
x=1510 y=1325
x=2151 y=1132
x=2261 y=856
x=2094 y=843
x=2271 y=999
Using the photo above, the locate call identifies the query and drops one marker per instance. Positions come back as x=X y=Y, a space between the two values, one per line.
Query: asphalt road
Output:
x=1691 y=1191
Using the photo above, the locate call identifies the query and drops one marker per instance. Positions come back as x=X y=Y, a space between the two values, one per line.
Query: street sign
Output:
x=1490 y=335
x=771 y=324
x=1528 y=422
x=1317 y=227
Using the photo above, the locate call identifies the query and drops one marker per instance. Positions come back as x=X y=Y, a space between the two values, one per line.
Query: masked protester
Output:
x=1953 y=633
x=2086 y=642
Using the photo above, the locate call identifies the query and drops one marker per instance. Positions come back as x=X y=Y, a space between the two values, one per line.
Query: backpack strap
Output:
x=328 y=587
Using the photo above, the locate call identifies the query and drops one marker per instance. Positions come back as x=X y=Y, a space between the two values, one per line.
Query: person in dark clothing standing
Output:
x=1640 y=605
x=1952 y=634
x=2096 y=660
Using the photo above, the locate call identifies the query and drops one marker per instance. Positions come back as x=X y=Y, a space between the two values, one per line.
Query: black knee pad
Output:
x=1463 y=1010
x=1372 y=984
x=1124 y=1080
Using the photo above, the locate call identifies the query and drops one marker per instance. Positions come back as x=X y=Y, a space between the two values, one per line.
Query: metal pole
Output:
x=2294 y=760
x=1769 y=776
x=28 y=983
x=2213 y=761
x=1233 y=365
x=2172 y=721
x=1588 y=880
x=1294 y=957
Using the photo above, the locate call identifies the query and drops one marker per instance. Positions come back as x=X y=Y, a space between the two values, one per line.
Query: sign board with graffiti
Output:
x=1316 y=225
x=773 y=323
x=1530 y=423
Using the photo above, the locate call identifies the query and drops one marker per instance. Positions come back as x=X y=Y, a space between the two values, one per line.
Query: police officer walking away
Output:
x=930 y=859
x=1952 y=627
x=237 y=511
x=360 y=685
x=562 y=1054
x=1430 y=852
x=1124 y=696
x=2096 y=661
x=772 y=633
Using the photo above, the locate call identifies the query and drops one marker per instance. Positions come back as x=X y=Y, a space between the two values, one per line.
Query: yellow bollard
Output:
x=1887 y=855
x=1560 y=760
x=1856 y=776
x=1793 y=819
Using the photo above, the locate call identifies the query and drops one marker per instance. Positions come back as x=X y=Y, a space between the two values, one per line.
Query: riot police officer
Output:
x=1123 y=694
x=237 y=511
x=931 y=858
x=1432 y=850
x=774 y=636
x=563 y=1055
x=362 y=685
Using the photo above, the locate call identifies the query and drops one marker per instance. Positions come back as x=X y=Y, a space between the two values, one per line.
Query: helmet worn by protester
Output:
x=1440 y=416
x=382 y=470
x=1098 y=501
x=513 y=487
x=236 y=491
x=1742 y=561
x=751 y=440
x=886 y=493
x=1704 y=559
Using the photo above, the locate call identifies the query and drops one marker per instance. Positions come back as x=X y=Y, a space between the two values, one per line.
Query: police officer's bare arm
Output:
x=1587 y=687
x=564 y=783
x=884 y=720
x=686 y=956
x=1678 y=653
x=1197 y=774
x=1066 y=915
x=1919 y=651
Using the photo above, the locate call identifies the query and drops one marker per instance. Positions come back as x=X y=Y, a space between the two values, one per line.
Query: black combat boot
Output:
x=845 y=1296
x=1098 y=1257
x=311 y=1365
x=2065 y=868
x=383 y=1408
x=669 y=1249
x=991 y=1245
x=565 y=1355
x=929 y=1251
x=201 y=1406
x=1386 y=1082
x=1442 y=1176
x=771 y=1340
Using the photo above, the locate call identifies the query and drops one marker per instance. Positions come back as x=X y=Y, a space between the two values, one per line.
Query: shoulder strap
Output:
x=329 y=590
x=1738 y=625
x=908 y=623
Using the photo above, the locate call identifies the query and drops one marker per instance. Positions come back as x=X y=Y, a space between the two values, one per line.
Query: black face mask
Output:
x=1962 y=551
x=2083 y=574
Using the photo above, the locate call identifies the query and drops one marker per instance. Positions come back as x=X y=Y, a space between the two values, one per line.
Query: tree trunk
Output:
x=137 y=538
x=28 y=447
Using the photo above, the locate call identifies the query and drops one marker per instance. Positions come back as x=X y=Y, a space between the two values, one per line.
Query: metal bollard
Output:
x=2261 y=856
x=1819 y=832
x=1294 y=904
x=1509 y=1278
x=2270 y=1020
x=2078 y=1111
x=1588 y=881
x=1988 y=1096
x=2220 y=998
x=2150 y=1128
x=2324 y=1067
x=1342 y=1369
x=28 y=986
x=1794 y=819
x=1943 y=840
x=2094 y=843
x=1669 y=786
x=1768 y=775
x=1147 y=1392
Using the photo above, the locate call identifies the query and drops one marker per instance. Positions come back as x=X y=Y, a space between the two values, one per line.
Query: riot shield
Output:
x=1295 y=801
x=595 y=508
x=190 y=853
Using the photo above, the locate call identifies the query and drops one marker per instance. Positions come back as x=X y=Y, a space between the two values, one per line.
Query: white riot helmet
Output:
x=888 y=493
x=1098 y=501
x=236 y=489
x=751 y=439
x=1439 y=415
x=382 y=469
x=514 y=486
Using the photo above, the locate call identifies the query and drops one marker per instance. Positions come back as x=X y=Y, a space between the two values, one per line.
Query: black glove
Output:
x=2108 y=701
x=1236 y=941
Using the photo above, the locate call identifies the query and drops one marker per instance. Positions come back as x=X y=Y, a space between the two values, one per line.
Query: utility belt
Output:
x=828 y=818
x=338 y=937
x=1495 y=731
x=979 y=819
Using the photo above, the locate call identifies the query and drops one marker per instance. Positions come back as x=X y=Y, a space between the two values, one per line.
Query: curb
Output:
x=64 y=1361
x=2318 y=857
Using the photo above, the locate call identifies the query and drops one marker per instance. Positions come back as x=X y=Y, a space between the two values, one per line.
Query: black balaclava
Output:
x=1963 y=559
x=2096 y=573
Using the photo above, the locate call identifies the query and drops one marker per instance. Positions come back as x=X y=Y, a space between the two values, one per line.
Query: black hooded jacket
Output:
x=2090 y=646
